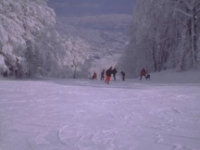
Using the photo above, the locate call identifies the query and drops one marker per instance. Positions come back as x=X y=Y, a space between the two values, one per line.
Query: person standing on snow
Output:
x=123 y=75
x=108 y=75
x=142 y=73
x=16 y=68
x=102 y=74
x=94 y=76
x=114 y=72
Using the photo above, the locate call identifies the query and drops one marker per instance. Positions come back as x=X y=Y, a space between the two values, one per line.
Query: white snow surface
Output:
x=68 y=114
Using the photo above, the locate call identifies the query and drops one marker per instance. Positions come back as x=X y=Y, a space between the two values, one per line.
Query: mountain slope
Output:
x=105 y=33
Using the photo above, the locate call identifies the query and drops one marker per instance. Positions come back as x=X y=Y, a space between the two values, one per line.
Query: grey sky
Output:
x=84 y=7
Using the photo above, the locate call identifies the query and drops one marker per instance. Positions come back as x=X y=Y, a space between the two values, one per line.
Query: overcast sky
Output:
x=84 y=7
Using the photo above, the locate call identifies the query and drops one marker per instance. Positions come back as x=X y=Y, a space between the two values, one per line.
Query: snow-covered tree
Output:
x=78 y=52
x=27 y=34
x=189 y=11
x=163 y=35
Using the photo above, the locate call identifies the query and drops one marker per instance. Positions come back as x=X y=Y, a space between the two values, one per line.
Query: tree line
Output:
x=28 y=36
x=164 y=34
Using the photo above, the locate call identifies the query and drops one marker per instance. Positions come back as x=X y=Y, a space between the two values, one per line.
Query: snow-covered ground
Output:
x=161 y=114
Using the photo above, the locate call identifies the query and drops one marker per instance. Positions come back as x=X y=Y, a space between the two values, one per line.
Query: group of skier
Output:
x=106 y=74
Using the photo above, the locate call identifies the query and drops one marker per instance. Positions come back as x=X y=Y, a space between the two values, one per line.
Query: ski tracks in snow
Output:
x=81 y=138
x=49 y=116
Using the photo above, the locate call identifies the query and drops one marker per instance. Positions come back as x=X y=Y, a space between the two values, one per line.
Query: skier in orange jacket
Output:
x=108 y=75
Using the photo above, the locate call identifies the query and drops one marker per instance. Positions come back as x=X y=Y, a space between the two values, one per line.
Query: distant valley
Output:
x=107 y=34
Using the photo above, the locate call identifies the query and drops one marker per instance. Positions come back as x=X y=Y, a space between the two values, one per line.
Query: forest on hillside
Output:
x=30 y=44
x=164 y=34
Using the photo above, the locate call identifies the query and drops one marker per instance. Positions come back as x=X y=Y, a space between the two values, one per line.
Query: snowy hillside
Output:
x=163 y=36
x=29 y=43
x=58 y=114
x=105 y=33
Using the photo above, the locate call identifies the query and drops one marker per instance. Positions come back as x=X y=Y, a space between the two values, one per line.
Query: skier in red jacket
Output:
x=142 y=73
x=94 y=75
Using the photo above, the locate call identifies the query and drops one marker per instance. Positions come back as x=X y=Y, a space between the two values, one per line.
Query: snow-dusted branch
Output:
x=183 y=12
x=187 y=4
x=197 y=12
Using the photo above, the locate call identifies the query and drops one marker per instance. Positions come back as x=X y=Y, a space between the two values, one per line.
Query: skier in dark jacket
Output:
x=102 y=74
x=123 y=75
x=114 y=72
x=16 y=68
x=108 y=75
